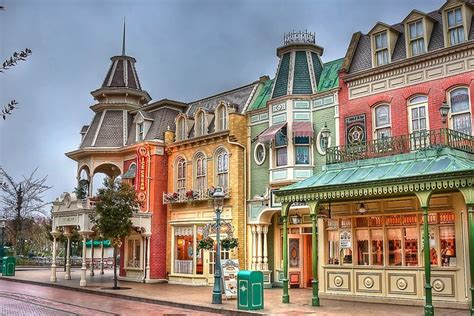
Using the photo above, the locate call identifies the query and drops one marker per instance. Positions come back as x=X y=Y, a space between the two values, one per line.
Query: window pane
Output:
x=301 y=140
x=451 y=18
x=462 y=123
x=302 y=155
x=383 y=133
x=282 y=158
x=183 y=262
x=200 y=253
x=417 y=47
x=394 y=236
x=459 y=100
x=280 y=138
x=333 y=241
x=448 y=246
x=382 y=115
x=382 y=57
x=411 y=246
x=413 y=30
x=458 y=16
x=377 y=247
x=362 y=247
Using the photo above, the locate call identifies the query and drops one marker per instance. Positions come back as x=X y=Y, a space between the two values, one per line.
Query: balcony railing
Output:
x=192 y=196
x=400 y=145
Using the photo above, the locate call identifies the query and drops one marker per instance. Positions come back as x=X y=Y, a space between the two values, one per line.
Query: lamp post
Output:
x=325 y=134
x=218 y=197
x=444 y=110
x=3 y=222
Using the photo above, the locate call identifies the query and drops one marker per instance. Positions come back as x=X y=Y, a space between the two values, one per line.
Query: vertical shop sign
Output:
x=142 y=157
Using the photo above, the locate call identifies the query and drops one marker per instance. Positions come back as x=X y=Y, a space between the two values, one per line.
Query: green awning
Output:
x=107 y=243
x=431 y=168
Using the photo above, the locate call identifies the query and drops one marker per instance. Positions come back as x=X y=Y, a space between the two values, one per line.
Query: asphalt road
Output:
x=27 y=299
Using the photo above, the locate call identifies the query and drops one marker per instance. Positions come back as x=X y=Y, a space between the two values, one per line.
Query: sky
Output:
x=185 y=50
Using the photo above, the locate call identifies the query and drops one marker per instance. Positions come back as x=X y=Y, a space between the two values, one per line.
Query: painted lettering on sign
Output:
x=142 y=157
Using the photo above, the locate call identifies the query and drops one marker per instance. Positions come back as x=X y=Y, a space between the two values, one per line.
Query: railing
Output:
x=192 y=196
x=299 y=37
x=183 y=266
x=400 y=145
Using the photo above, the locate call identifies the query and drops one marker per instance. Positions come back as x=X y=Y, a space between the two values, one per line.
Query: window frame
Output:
x=222 y=173
x=469 y=111
x=222 y=120
x=302 y=145
x=200 y=178
x=456 y=26
x=377 y=129
x=255 y=155
x=417 y=104
x=281 y=146
x=200 y=125
x=417 y=38
x=180 y=183
x=380 y=50
x=181 y=128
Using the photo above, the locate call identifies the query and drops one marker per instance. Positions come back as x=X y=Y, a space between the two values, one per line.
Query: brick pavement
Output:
x=199 y=298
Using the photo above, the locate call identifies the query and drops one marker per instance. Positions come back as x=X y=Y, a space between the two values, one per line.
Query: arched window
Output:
x=382 y=121
x=222 y=158
x=200 y=165
x=460 y=110
x=221 y=118
x=181 y=177
x=200 y=124
x=181 y=128
x=418 y=114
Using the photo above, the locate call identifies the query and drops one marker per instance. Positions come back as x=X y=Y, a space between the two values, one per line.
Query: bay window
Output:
x=302 y=151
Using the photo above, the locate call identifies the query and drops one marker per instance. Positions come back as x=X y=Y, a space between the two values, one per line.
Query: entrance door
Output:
x=210 y=262
x=307 y=261
x=295 y=260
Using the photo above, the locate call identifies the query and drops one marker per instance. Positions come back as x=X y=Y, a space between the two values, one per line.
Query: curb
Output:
x=208 y=309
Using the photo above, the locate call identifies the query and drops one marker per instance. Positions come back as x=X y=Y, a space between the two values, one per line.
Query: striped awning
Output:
x=270 y=132
x=302 y=129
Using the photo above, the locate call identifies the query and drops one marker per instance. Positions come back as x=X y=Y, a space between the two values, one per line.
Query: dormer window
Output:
x=200 y=124
x=381 y=48
x=416 y=38
x=181 y=128
x=221 y=118
x=455 y=26
x=141 y=132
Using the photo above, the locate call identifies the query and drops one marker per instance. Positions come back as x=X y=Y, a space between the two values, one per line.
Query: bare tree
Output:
x=20 y=200
x=10 y=62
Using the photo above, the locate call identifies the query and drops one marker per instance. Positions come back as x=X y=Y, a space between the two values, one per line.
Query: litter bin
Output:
x=250 y=290
x=8 y=266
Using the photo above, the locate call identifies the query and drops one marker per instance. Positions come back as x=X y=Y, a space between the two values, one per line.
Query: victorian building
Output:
x=290 y=124
x=397 y=193
x=207 y=151
x=126 y=138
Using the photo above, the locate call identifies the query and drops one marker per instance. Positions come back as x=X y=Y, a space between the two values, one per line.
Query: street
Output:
x=27 y=299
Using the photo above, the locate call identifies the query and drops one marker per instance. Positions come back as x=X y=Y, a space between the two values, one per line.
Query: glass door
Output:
x=210 y=259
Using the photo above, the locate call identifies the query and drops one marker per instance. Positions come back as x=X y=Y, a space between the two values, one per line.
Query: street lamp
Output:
x=3 y=222
x=325 y=134
x=218 y=197
x=444 y=110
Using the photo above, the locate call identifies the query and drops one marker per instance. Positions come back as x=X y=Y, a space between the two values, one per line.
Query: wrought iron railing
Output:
x=203 y=194
x=400 y=145
x=301 y=37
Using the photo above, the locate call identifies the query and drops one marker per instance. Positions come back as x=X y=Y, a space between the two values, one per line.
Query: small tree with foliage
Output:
x=113 y=211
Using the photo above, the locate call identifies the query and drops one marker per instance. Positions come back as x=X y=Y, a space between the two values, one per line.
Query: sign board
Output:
x=142 y=162
x=345 y=239
x=230 y=269
x=355 y=129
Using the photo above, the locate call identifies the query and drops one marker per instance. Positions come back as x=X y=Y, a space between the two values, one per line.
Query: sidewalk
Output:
x=199 y=298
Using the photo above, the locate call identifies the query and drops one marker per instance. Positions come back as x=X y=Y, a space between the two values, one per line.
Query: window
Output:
x=302 y=151
x=455 y=26
x=200 y=184
x=200 y=124
x=133 y=253
x=417 y=42
x=382 y=121
x=181 y=178
x=181 y=128
x=418 y=121
x=281 y=144
x=222 y=169
x=221 y=118
x=141 y=135
x=460 y=111
x=381 y=49
x=184 y=249
x=259 y=154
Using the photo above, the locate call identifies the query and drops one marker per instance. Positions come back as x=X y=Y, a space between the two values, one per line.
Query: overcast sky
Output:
x=185 y=50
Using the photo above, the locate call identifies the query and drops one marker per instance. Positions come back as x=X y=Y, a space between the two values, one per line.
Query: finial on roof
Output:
x=123 y=38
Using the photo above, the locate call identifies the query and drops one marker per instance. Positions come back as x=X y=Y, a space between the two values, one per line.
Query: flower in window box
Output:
x=206 y=243
x=229 y=243
x=190 y=194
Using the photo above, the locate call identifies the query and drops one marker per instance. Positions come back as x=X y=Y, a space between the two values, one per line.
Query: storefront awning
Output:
x=302 y=129
x=270 y=132
x=131 y=172
x=431 y=169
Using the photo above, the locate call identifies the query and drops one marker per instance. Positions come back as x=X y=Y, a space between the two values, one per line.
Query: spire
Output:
x=123 y=38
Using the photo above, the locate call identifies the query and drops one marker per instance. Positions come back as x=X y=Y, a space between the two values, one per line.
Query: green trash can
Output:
x=250 y=290
x=8 y=266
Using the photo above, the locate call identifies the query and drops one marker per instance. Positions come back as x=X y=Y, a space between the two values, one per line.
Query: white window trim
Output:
x=411 y=40
x=218 y=124
x=135 y=237
x=200 y=156
x=387 y=48
x=179 y=161
x=411 y=105
x=375 y=128
x=259 y=163
x=222 y=151
x=450 y=115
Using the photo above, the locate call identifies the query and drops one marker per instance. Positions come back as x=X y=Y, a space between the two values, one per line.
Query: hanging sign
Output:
x=142 y=157
x=230 y=269
x=355 y=129
x=345 y=239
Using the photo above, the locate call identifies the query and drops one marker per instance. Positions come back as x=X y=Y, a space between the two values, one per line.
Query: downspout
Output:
x=245 y=195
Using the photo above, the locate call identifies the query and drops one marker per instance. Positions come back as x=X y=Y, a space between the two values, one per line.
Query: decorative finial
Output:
x=123 y=38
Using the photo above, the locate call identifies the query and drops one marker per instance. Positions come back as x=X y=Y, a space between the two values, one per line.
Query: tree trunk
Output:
x=115 y=268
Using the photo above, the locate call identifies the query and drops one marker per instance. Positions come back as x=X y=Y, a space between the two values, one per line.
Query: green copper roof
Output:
x=427 y=164
x=317 y=66
x=329 y=78
x=263 y=95
x=301 y=79
x=281 y=83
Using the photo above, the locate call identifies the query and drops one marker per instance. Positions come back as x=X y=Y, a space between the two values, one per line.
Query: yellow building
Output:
x=207 y=151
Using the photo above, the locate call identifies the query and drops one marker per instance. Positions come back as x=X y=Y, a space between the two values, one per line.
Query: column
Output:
x=314 y=250
x=471 y=252
x=148 y=247
x=265 y=248
x=102 y=256
x=286 y=296
x=91 y=183
x=254 y=247
x=68 y=234
x=53 y=278
x=429 y=310
x=259 y=247
x=83 y=267
x=92 y=257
